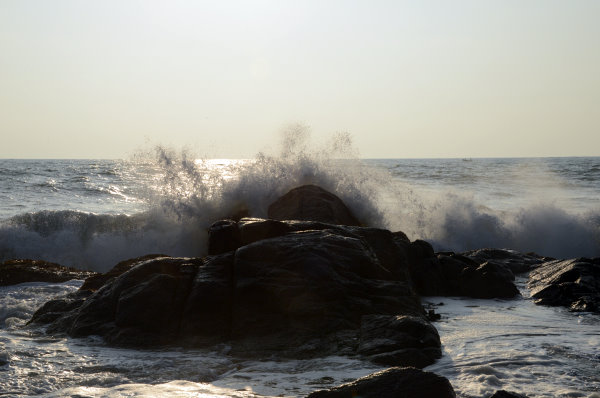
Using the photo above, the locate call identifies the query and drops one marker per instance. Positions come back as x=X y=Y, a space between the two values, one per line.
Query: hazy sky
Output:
x=101 y=79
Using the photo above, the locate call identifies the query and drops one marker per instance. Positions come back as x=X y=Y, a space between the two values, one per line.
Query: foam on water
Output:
x=515 y=345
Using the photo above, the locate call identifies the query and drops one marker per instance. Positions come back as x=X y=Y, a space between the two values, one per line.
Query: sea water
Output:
x=93 y=213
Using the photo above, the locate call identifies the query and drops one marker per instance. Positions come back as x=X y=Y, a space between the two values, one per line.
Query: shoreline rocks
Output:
x=450 y=274
x=392 y=383
x=313 y=290
x=574 y=284
x=13 y=272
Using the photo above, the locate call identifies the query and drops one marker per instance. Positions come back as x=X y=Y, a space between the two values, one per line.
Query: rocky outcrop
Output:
x=96 y=281
x=450 y=274
x=294 y=288
x=390 y=340
x=516 y=262
x=574 y=284
x=311 y=203
x=507 y=394
x=392 y=383
x=13 y=272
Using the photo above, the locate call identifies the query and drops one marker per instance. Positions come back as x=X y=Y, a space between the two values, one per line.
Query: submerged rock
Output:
x=312 y=203
x=574 y=284
x=13 y=272
x=392 y=383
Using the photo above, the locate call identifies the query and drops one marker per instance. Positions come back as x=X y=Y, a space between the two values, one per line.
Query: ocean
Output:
x=92 y=214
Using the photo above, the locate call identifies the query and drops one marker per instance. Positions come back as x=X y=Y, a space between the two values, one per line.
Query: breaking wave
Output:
x=188 y=194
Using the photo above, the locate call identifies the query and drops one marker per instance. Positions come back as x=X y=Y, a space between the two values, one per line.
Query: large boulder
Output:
x=310 y=202
x=392 y=383
x=308 y=284
x=13 y=272
x=294 y=288
x=574 y=284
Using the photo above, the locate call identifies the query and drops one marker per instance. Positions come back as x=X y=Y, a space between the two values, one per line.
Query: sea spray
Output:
x=162 y=200
x=183 y=195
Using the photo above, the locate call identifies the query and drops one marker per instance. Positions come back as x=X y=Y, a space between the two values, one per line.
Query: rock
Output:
x=571 y=283
x=310 y=202
x=255 y=229
x=13 y=272
x=141 y=307
x=457 y=275
x=206 y=316
x=296 y=289
x=311 y=283
x=392 y=383
x=223 y=236
x=507 y=394
x=489 y=280
x=399 y=340
x=96 y=281
x=517 y=262
x=56 y=308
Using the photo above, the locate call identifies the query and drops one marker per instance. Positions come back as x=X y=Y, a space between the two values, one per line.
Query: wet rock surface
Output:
x=399 y=340
x=574 y=284
x=310 y=202
x=450 y=274
x=516 y=262
x=392 y=383
x=303 y=290
x=96 y=281
x=507 y=394
x=13 y=272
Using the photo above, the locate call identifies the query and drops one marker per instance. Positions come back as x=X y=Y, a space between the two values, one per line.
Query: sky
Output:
x=419 y=79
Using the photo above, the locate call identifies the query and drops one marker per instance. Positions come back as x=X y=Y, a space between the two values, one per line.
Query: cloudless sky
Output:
x=100 y=79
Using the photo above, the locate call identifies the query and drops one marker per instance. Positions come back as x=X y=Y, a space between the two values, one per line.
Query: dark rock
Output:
x=392 y=383
x=310 y=284
x=458 y=275
x=294 y=288
x=489 y=280
x=310 y=202
x=421 y=249
x=517 y=262
x=507 y=394
x=141 y=307
x=96 y=281
x=56 y=308
x=570 y=283
x=13 y=272
x=255 y=229
x=206 y=317
x=223 y=236
x=399 y=340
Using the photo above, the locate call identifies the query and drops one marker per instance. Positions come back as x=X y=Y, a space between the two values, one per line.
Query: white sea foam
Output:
x=517 y=346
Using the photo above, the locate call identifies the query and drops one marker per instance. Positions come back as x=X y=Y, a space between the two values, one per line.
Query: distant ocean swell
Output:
x=190 y=194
